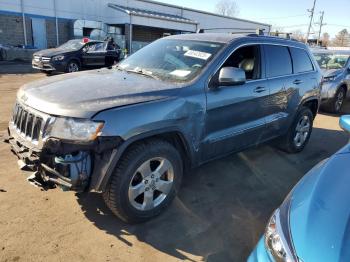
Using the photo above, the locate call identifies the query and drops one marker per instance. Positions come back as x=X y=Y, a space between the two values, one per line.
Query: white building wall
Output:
x=207 y=20
x=98 y=10
x=146 y=21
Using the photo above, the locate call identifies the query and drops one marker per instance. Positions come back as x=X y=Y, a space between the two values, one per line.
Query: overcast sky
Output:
x=290 y=15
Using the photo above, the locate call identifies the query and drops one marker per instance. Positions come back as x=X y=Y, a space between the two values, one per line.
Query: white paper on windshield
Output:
x=198 y=54
x=180 y=73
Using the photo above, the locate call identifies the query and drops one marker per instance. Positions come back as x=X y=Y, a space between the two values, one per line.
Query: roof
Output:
x=151 y=14
x=228 y=37
x=203 y=12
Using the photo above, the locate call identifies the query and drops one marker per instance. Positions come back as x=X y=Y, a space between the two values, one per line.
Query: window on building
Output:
x=278 y=61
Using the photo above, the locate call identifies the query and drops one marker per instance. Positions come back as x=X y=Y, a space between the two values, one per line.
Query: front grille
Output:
x=27 y=123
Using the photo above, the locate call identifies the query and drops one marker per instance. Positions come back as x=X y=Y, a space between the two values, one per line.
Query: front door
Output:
x=39 y=33
x=236 y=114
x=95 y=55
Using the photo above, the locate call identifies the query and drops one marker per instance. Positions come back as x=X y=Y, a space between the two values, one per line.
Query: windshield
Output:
x=331 y=61
x=72 y=45
x=171 y=60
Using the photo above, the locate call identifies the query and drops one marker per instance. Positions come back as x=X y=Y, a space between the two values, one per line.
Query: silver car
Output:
x=335 y=66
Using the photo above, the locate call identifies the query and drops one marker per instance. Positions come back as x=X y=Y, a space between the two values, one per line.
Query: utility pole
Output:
x=312 y=11
x=321 y=25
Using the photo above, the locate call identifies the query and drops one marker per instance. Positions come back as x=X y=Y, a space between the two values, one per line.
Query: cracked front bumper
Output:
x=70 y=172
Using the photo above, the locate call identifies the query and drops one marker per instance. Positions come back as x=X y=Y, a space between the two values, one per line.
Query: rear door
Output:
x=279 y=72
x=291 y=74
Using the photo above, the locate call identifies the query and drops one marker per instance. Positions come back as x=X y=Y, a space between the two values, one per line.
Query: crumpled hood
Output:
x=320 y=211
x=331 y=72
x=84 y=94
x=53 y=52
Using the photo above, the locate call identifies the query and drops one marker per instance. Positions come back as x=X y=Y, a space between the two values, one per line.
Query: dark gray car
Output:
x=130 y=132
x=335 y=66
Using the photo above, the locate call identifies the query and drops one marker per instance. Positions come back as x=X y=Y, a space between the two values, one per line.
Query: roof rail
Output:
x=244 y=30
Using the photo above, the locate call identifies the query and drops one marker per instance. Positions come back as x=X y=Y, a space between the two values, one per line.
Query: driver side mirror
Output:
x=344 y=123
x=231 y=76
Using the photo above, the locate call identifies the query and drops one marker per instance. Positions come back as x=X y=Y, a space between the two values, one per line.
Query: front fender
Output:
x=141 y=121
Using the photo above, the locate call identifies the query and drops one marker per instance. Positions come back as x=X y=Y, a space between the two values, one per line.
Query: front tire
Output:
x=72 y=66
x=299 y=133
x=145 y=181
x=335 y=105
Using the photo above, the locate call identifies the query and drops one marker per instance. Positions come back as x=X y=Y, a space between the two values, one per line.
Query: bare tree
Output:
x=227 y=8
x=298 y=35
x=325 y=39
x=342 y=38
x=276 y=30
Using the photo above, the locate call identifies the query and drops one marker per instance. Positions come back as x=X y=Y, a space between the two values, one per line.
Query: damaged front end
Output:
x=54 y=162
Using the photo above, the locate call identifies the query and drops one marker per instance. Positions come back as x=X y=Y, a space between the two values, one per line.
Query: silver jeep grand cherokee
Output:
x=131 y=131
x=335 y=66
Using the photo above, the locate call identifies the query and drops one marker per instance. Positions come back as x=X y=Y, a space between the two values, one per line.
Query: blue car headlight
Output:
x=58 y=58
x=277 y=235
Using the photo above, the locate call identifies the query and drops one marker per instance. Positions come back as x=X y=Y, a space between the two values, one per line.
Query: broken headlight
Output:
x=73 y=129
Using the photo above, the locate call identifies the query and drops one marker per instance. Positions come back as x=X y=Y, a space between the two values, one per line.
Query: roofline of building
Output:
x=203 y=12
x=131 y=13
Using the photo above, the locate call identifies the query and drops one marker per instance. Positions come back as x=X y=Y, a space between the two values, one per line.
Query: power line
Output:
x=280 y=17
x=338 y=25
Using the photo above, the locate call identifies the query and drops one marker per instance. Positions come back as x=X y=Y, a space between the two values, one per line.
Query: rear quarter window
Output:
x=301 y=60
x=278 y=61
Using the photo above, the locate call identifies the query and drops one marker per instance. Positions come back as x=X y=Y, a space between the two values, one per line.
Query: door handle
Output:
x=260 y=89
x=297 y=82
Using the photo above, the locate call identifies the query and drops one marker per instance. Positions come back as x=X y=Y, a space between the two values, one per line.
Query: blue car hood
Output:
x=320 y=211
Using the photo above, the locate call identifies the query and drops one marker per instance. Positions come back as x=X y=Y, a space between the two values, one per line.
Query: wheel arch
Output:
x=346 y=88
x=173 y=136
x=312 y=103
x=76 y=59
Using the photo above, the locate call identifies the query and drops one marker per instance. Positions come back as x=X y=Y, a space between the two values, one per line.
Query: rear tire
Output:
x=335 y=104
x=145 y=181
x=299 y=133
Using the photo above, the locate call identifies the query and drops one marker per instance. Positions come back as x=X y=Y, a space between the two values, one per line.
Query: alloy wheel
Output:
x=302 y=131
x=73 y=67
x=339 y=101
x=151 y=183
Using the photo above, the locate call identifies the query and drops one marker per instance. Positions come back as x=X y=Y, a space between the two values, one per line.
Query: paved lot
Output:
x=219 y=215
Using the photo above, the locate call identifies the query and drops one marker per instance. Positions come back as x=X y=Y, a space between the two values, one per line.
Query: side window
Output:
x=98 y=47
x=278 y=61
x=301 y=60
x=248 y=59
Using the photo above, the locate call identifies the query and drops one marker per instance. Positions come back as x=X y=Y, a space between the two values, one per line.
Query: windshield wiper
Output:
x=142 y=71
